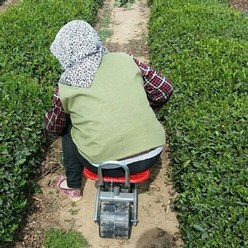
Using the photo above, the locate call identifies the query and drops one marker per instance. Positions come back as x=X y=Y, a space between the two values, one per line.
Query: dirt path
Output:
x=241 y=5
x=4 y=5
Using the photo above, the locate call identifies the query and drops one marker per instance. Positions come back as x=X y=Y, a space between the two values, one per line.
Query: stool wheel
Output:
x=115 y=220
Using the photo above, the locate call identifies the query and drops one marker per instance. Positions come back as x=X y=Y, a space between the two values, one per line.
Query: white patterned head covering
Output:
x=79 y=50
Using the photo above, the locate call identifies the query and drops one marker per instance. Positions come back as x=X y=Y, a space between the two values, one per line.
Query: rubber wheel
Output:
x=115 y=220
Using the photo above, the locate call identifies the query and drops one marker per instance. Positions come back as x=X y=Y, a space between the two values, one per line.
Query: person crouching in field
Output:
x=103 y=107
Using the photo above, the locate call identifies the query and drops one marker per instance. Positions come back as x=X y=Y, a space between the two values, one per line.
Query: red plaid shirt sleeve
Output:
x=56 y=118
x=158 y=88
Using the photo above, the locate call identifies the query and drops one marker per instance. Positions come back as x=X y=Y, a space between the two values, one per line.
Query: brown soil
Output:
x=158 y=225
x=239 y=4
x=4 y=5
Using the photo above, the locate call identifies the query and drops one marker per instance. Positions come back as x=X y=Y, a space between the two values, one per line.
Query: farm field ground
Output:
x=240 y=4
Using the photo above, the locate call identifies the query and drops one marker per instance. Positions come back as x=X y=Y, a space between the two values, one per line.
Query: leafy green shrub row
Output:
x=203 y=47
x=28 y=73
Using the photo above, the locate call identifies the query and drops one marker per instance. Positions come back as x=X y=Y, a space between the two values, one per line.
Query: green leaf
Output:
x=199 y=228
x=20 y=162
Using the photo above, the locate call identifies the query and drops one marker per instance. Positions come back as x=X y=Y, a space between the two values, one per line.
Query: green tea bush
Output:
x=57 y=238
x=203 y=47
x=28 y=73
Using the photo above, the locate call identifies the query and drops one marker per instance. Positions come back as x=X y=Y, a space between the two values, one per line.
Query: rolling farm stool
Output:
x=116 y=207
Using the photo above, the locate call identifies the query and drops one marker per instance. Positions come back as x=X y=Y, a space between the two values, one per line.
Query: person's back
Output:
x=110 y=99
x=112 y=119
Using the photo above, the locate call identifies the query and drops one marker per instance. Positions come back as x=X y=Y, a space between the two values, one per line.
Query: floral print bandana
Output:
x=79 y=50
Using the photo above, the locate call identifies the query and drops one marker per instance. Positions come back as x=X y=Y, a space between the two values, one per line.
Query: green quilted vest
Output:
x=112 y=119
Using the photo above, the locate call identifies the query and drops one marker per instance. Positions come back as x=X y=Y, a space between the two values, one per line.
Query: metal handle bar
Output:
x=113 y=165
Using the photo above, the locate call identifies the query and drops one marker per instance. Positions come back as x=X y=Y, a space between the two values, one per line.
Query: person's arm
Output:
x=56 y=119
x=158 y=88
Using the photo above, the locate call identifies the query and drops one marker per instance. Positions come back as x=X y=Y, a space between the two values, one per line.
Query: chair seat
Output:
x=135 y=178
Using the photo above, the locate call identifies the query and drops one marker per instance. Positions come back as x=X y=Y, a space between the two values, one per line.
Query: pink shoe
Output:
x=73 y=194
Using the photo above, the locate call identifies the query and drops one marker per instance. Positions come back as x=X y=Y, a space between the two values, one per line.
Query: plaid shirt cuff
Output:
x=56 y=118
x=158 y=88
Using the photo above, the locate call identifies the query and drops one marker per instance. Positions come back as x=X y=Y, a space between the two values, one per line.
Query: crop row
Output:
x=28 y=73
x=203 y=47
